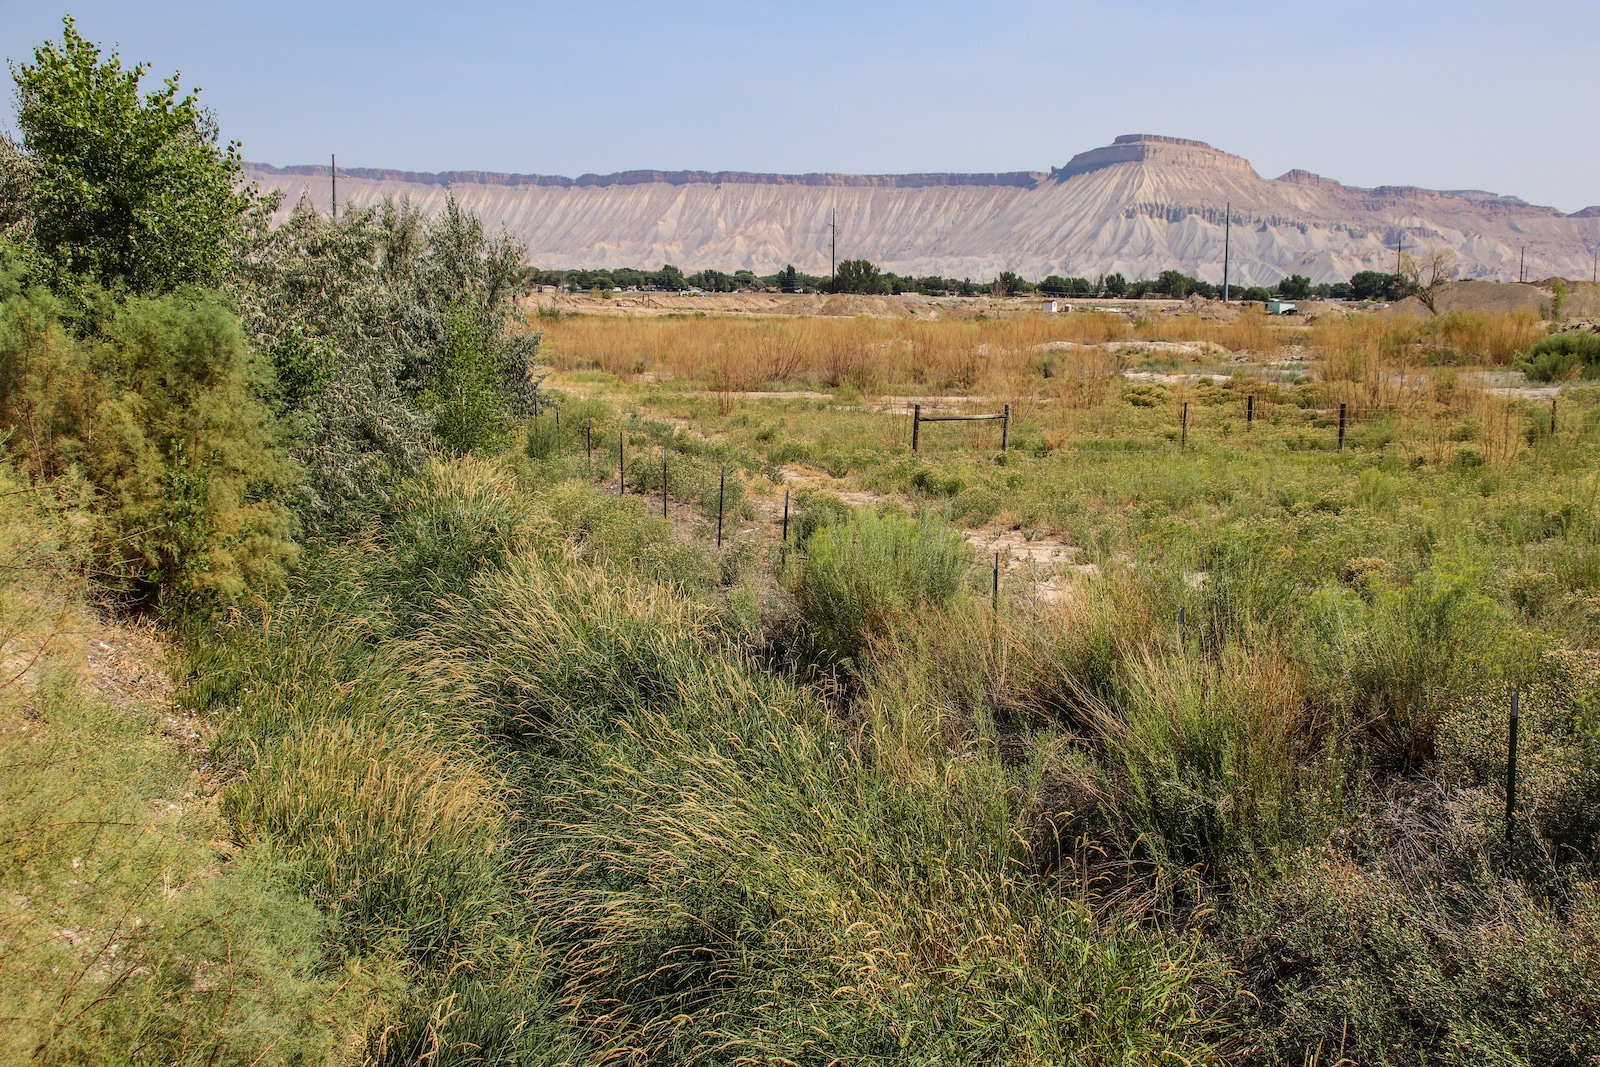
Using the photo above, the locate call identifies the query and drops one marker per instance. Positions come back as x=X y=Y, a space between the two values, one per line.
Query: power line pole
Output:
x=1227 y=235
x=1399 y=243
x=833 y=256
x=333 y=178
x=1522 y=265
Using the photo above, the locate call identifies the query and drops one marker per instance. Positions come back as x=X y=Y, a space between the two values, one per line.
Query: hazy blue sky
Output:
x=1495 y=96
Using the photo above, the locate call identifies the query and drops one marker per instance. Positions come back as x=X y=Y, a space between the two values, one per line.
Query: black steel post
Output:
x=1249 y=409
x=1341 y=427
x=1511 y=770
x=1183 y=442
x=663 y=483
x=786 y=516
x=1005 y=430
x=622 y=469
x=1183 y=617
x=1552 y=416
x=994 y=596
x=722 y=487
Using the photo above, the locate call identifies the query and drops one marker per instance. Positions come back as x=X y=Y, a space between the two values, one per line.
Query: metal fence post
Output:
x=1249 y=410
x=1341 y=426
x=622 y=470
x=722 y=487
x=1511 y=771
x=1183 y=442
x=916 y=424
x=1005 y=430
x=786 y=516
x=994 y=596
x=663 y=483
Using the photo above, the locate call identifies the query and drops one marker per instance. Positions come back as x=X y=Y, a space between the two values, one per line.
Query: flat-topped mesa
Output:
x=265 y=174
x=1306 y=177
x=1139 y=205
x=1153 y=149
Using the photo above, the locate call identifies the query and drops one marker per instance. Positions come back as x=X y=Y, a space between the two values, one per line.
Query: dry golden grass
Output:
x=872 y=355
x=1377 y=358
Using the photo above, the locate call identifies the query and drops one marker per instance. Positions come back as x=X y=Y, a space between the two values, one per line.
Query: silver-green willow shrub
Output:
x=387 y=334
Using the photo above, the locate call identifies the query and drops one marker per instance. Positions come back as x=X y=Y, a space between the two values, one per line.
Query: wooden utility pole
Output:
x=333 y=180
x=833 y=255
x=1227 y=234
x=1522 y=265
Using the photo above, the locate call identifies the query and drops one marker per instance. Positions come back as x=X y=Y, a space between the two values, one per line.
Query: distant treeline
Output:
x=862 y=276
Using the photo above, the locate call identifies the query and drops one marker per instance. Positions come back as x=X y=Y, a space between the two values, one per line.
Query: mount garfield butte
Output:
x=1140 y=205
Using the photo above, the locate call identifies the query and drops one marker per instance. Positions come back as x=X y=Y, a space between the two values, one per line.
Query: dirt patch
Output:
x=1043 y=569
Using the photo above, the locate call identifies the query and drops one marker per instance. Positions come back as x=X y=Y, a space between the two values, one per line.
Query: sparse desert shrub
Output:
x=1563 y=356
x=859 y=575
x=1348 y=963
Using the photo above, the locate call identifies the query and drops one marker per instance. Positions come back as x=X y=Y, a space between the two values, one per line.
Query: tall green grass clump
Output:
x=724 y=874
x=859 y=576
x=365 y=792
x=1214 y=767
x=451 y=522
x=1390 y=659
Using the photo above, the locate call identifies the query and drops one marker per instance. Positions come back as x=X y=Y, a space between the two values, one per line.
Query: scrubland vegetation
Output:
x=471 y=755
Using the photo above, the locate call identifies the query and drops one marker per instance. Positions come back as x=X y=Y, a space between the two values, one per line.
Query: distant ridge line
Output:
x=1020 y=179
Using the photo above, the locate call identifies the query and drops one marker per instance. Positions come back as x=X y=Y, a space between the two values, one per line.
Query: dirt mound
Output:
x=1477 y=297
x=1502 y=298
x=1583 y=300
x=849 y=305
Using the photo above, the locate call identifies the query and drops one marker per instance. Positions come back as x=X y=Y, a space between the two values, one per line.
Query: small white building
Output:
x=1280 y=307
x=1049 y=307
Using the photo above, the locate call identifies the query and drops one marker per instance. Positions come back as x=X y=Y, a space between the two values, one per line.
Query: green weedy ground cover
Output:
x=478 y=760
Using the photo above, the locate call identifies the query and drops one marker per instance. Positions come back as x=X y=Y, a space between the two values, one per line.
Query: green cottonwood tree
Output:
x=859 y=276
x=127 y=189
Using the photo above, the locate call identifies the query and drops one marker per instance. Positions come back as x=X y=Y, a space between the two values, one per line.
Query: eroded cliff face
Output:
x=1140 y=205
